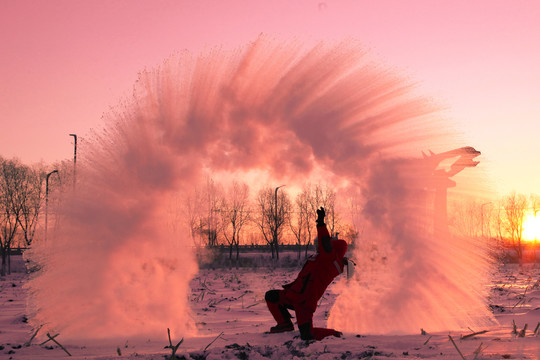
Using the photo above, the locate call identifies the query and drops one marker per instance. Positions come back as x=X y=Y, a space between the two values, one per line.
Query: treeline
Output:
x=503 y=221
x=227 y=215
x=23 y=200
x=216 y=215
x=219 y=214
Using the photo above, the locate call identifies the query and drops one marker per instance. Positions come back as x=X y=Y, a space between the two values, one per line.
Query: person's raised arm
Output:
x=323 y=235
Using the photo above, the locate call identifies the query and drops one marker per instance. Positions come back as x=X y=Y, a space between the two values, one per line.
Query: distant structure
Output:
x=442 y=182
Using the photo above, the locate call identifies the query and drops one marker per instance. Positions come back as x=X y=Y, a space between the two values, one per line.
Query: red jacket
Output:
x=318 y=271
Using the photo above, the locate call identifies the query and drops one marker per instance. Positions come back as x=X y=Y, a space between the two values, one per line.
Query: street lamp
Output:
x=74 y=158
x=47 y=199
x=276 y=202
x=276 y=221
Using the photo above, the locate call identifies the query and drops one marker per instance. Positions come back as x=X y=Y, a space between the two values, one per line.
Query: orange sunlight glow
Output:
x=531 y=227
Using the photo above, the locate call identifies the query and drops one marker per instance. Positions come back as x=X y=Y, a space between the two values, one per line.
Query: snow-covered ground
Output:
x=229 y=309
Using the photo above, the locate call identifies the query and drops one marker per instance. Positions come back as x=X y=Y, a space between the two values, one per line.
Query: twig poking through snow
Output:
x=478 y=351
x=35 y=333
x=252 y=305
x=213 y=303
x=173 y=347
x=459 y=352
x=522 y=332
x=520 y=300
x=213 y=341
x=536 y=332
x=242 y=297
x=52 y=338
x=473 y=334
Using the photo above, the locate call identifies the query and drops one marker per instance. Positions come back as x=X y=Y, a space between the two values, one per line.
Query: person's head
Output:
x=340 y=246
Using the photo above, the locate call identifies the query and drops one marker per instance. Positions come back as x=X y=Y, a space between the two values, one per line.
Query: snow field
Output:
x=231 y=316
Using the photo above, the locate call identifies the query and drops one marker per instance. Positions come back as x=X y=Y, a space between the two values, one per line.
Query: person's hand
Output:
x=320 y=215
x=347 y=261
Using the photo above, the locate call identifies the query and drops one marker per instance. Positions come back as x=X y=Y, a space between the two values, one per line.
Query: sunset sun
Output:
x=531 y=227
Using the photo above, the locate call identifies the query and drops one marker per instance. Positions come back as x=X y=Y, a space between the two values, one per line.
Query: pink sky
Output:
x=65 y=63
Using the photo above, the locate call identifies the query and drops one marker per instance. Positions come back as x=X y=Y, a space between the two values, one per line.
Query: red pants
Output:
x=278 y=301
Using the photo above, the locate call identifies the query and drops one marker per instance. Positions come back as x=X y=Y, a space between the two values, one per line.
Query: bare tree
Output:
x=466 y=218
x=264 y=218
x=300 y=224
x=11 y=180
x=22 y=195
x=350 y=234
x=354 y=208
x=31 y=199
x=192 y=206
x=234 y=215
x=213 y=199
x=515 y=207
x=325 y=196
x=272 y=216
x=201 y=210
x=208 y=222
x=535 y=207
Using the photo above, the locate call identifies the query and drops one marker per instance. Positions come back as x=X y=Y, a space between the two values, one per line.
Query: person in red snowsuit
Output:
x=303 y=294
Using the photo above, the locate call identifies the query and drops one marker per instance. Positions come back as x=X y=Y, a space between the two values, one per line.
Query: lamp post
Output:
x=276 y=221
x=275 y=214
x=47 y=199
x=74 y=159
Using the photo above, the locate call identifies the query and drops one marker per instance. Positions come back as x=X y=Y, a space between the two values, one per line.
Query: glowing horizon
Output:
x=531 y=227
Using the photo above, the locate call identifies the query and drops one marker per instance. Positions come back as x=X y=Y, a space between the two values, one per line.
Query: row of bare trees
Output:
x=230 y=215
x=226 y=214
x=21 y=200
x=501 y=220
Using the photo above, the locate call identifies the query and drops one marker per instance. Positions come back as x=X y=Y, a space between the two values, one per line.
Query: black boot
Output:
x=305 y=331
x=279 y=328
